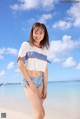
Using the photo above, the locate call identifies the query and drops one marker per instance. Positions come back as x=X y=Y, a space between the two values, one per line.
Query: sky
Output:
x=62 y=19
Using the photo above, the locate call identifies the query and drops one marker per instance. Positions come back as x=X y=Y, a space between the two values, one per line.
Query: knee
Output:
x=40 y=115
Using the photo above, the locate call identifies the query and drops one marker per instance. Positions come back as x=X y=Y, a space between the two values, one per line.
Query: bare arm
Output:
x=45 y=81
x=23 y=70
x=25 y=74
x=45 y=77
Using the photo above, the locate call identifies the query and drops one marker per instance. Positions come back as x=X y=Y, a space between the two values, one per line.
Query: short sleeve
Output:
x=47 y=53
x=23 y=49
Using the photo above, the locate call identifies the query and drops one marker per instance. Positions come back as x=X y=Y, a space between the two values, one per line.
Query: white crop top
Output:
x=34 y=58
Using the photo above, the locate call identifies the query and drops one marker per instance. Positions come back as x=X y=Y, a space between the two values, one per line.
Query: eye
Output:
x=41 y=33
x=35 y=32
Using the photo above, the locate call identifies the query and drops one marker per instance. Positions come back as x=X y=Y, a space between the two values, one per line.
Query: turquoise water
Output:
x=56 y=90
x=68 y=92
x=61 y=97
x=64 y=89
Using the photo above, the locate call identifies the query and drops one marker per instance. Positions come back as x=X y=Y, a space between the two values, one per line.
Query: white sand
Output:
x=11 y=114
x=52 y=113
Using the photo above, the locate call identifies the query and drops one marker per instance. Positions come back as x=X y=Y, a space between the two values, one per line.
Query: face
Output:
x=38 y=34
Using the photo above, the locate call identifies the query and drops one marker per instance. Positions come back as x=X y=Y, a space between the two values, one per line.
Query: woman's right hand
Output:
x=33 y=87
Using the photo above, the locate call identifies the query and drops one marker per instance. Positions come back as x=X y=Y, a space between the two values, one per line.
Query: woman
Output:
x=33 y=65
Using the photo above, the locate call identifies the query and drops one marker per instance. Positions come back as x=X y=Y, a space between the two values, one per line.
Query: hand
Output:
x=33 y=87
x=44 y=93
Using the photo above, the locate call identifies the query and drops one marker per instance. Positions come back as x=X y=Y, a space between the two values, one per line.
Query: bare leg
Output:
x=36 y=102
x=40 y=93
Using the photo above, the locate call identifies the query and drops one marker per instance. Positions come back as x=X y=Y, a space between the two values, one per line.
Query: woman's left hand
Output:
x=44 y=93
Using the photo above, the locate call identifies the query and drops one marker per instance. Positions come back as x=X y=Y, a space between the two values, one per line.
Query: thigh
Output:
x=34 y=99
x=40 y=92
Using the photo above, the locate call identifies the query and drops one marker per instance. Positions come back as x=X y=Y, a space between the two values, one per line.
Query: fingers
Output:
x=43 y=96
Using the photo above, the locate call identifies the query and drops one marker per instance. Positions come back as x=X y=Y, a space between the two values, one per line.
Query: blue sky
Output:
x=63 y=23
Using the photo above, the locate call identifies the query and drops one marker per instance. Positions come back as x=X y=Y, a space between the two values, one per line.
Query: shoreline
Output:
x=66 y=81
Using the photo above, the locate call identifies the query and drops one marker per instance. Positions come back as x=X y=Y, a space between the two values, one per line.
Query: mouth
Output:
x=37 y=38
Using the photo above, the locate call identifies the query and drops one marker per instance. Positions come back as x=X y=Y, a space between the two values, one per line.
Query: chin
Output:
x=38 y=41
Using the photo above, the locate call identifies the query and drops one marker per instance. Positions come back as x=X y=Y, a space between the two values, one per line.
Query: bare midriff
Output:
x=32 y=73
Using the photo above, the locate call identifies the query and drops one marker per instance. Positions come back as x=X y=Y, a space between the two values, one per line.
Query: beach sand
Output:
x=56 y=111
x=11 y=114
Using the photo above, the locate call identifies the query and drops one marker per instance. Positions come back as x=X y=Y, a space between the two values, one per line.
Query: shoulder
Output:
x=45 y=49
x=25 y=43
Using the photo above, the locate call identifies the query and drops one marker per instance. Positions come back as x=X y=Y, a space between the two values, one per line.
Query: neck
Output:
x=37 y=44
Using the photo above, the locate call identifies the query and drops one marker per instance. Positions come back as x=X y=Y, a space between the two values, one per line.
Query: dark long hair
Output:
x=45 y=41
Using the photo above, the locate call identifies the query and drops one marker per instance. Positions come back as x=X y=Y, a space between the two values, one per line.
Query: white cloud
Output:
x=48 y=3
x=17 y=70
x=45 y=17
x=62 y=24
x=10 y=65
x=60 y=49
x=74 y=14
x=4 y=51
x=2 y=74
x=12 y=51
x=26 y=5
x=1 y=57
x=77 y=66
x=68 y=43
x=69 y=62
x=33 y=4
x=73 y=18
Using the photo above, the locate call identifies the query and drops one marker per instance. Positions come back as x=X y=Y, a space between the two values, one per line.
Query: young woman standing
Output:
x=33 y=65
